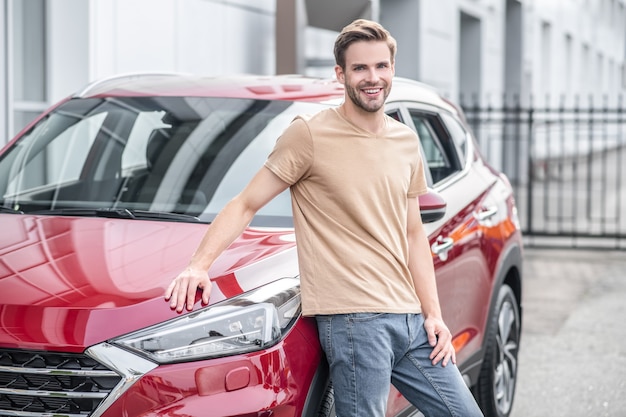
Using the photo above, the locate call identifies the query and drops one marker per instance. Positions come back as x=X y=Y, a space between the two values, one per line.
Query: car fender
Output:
x=509 y=260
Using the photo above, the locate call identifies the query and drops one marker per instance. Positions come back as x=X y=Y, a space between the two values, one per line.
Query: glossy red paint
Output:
x=279 y=379
x=82 y=297
x=468 y=272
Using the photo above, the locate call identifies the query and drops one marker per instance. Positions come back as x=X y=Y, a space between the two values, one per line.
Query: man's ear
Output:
x=340 y=74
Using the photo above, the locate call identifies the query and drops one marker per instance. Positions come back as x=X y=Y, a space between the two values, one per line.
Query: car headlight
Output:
x=252 y=321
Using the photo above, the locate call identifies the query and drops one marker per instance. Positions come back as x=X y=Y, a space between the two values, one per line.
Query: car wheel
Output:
x=496 y=384
x=327 y=405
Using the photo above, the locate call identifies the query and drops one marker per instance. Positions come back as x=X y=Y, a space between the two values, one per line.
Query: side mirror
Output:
x=432 y=206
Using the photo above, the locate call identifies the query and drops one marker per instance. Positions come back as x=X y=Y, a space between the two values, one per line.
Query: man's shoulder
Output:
x=308 y=124
x=313 y=123
x=321 y=116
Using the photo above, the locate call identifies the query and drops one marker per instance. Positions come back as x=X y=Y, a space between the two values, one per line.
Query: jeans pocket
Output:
x=364 y=317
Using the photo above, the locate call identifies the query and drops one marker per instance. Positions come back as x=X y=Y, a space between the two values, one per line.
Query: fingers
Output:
x=181 y=293
x=169 y=291
x=431 y=332
x=443 y=351
x=191 y=296
x=206 y=292
x=443 y=355
x=441 y=339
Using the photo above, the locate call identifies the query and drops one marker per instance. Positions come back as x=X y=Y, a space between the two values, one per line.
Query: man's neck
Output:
x=373 y=122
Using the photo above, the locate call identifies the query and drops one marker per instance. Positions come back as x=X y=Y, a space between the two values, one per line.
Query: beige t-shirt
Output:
x=349 y=192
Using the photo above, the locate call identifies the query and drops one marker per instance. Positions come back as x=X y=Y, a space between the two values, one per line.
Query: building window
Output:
x=28 y=74
x=546 y=58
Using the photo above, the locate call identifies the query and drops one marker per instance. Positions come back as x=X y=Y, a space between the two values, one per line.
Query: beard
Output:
x=369 y=105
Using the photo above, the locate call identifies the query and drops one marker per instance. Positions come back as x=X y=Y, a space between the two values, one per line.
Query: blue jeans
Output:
x=368 y=351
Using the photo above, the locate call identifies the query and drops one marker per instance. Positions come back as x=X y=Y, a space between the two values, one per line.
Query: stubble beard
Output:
x=370 y=106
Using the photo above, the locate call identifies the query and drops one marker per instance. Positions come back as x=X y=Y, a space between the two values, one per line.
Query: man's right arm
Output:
x=225 y=228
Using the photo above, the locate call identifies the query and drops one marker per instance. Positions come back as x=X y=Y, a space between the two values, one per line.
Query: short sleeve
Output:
x=418 y=185
x=292 y=155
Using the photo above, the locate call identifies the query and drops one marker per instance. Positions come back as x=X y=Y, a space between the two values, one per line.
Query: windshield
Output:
x=184 y=155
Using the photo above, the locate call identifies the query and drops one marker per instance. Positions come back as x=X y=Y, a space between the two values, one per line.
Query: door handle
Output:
x=442 y=246
x=486 y=213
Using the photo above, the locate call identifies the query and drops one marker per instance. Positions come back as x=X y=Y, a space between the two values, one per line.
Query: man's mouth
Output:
x=372 y=91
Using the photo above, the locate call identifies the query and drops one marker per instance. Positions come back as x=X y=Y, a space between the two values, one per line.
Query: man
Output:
x=366 y=269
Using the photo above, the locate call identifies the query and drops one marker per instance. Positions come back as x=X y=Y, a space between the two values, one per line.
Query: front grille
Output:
x=44 y=383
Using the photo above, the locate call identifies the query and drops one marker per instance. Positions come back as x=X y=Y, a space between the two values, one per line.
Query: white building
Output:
x=483 y=48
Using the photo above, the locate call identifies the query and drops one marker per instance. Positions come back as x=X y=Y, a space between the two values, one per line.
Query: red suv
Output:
x=104 y=198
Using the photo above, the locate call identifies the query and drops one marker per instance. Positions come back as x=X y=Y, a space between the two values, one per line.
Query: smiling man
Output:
x=366 y=270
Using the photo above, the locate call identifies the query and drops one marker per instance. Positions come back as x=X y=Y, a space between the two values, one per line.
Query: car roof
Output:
x=282 y=87
x=260 y=87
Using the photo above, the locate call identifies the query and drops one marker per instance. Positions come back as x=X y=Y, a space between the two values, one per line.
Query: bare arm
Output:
x=423 y=273
x=226 y=227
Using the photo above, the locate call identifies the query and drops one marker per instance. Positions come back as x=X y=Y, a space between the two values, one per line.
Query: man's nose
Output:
x=372 y=75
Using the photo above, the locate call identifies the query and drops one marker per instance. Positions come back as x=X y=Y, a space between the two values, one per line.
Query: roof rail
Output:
x=121 y=77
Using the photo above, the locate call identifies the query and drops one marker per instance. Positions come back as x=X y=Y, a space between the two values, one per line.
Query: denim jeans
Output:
x=368 y=351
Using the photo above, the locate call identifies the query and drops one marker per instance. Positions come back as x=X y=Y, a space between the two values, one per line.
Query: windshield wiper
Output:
x=146 y=215
x=119 y=213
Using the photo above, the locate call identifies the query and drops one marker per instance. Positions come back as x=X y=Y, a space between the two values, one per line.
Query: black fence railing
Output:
x=567 y=164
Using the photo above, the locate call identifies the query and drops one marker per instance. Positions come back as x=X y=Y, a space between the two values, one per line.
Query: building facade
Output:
x=478 y=49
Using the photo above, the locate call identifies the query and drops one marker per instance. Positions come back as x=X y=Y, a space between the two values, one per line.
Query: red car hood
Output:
x=67 y=283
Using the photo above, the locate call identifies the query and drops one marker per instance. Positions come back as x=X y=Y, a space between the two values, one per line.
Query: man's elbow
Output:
x=242 y=207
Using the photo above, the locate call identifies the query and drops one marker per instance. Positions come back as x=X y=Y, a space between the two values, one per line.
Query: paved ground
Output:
x=573 y=349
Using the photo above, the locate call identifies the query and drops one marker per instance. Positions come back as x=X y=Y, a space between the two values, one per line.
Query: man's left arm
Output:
x=423 y=273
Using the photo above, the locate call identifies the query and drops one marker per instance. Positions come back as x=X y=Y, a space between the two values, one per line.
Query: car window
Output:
x=52 y=163
x=459 y=135
x=439 y=150
x=394 y=114
x=182 y=155
x=147 y=125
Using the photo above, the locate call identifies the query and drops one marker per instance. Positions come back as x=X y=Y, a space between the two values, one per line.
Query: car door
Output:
x=458 y=248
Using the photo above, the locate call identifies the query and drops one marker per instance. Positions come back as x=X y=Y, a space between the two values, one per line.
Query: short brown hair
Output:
x=362 y=30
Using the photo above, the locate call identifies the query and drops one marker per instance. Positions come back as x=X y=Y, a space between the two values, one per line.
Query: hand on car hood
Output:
x=67 y=282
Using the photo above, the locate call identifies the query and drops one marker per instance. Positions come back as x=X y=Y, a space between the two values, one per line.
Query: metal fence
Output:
x=566 y=164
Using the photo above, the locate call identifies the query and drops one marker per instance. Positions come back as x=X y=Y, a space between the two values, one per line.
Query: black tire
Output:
x=327 y=405
x=496 y=384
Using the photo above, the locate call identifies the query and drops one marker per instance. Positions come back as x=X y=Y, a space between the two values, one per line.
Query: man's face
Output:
x=368 y=74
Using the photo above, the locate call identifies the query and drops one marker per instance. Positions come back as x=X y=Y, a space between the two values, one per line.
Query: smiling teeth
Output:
x=372 y=91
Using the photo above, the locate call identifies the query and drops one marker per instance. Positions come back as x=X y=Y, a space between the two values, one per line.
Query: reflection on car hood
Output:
x=67 y=283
